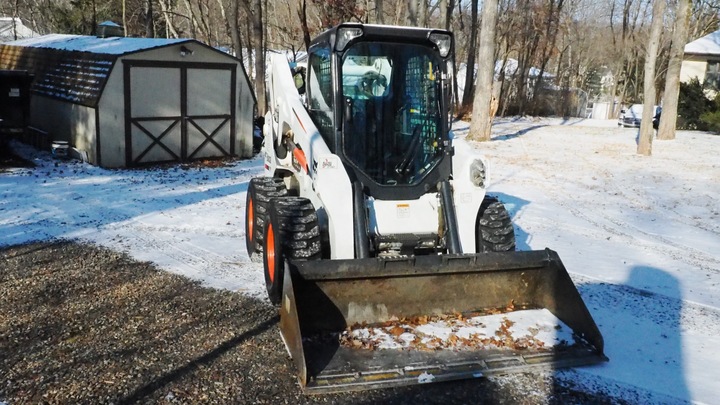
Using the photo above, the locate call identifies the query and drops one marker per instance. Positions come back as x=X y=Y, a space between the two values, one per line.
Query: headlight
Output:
x=477 y=173
x=443 y=42
x=345 y=35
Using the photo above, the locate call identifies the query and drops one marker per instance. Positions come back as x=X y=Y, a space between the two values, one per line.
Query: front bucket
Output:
x=332 y=308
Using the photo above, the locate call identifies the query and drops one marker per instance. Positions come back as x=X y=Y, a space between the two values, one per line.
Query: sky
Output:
x=639 y=236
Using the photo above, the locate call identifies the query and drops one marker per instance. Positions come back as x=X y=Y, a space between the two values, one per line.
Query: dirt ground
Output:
x=82 y=324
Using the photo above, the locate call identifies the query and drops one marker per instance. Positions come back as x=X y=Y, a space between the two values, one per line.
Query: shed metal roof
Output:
x=73 y=67
x=92 y=44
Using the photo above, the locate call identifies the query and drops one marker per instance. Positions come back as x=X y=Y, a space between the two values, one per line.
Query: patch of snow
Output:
x=87 y=43
x=425 y=377
x=638 y=235
x=539 y=326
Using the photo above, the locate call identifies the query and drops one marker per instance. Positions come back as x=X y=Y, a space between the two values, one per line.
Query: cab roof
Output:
x=387 y=33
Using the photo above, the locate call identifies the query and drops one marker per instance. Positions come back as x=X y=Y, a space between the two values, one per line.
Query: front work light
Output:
x=477 y=173
x=345 y=35
x=443 y=42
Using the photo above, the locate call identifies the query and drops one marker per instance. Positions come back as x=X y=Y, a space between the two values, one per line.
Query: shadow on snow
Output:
x=63 y=199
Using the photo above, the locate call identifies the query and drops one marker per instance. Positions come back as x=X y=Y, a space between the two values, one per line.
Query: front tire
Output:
x=494 y=230
x=291 y=233
x=259 y=193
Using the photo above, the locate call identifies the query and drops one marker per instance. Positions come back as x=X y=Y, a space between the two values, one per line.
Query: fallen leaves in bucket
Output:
x=536 y=330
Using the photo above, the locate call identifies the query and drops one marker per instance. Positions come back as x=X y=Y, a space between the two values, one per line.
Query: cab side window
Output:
x=320 y=93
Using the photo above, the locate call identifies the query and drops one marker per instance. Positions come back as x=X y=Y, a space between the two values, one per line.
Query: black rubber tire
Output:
x=292 y=232
x=259 y=193
x=494 y=230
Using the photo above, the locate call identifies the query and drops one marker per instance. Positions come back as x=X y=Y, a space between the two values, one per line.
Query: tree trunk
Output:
x=259 y=57
x=449 y=16
x=124 y=17
x=204 y=22
x=646 y=129
x=165 y=8
x=232 y=21
x=191 y=18
x=468 y=87
x=668 y=120
x=443 y=5
x=423 y=14
x=399 y=10
x=15 y=17
x=480 y=125
x=413 y=13
x=379 y=14
x=302 y=11
x=552 y=25
x=149 y=23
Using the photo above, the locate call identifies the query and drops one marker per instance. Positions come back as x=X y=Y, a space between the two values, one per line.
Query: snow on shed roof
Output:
x=92 y=44
x=73 y=67
x=707 y=45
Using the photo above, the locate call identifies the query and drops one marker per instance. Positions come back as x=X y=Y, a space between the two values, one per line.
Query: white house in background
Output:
x=12 y=29
x=702 y=61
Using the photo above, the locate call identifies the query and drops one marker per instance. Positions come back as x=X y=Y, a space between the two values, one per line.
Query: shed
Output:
x=133 y=101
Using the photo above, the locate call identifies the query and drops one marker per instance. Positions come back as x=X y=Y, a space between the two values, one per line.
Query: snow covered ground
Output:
x=640 y=236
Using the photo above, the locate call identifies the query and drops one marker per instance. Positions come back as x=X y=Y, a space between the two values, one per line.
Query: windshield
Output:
x=392 y=115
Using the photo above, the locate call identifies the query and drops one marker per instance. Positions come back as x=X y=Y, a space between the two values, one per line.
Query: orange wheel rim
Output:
x=270 y=252
x=250 y=219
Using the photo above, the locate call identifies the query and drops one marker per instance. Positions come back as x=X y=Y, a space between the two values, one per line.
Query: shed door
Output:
x=178 y=112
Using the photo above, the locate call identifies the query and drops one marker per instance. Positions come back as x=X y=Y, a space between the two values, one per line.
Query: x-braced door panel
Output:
x=178 y=112
x=210 y=122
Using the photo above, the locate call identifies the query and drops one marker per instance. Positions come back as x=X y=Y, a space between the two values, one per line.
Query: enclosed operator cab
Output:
x=379 y=97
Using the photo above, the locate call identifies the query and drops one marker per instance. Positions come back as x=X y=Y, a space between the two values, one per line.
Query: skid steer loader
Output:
x=376 y=233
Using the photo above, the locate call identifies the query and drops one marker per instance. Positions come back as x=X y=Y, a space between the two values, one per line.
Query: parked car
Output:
x=632 y=116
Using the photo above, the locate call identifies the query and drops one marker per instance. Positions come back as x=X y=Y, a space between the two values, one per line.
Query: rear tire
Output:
x=494 y=231
x=259 y=193
x=291 y=233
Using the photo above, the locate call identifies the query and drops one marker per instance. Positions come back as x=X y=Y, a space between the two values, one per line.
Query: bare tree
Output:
x=254 y=10
x=124 y=17
x=302 y=14
x=333 y=12
x=412 y=13
x=646 y=129
x=573 y=39
x=704 y=18
x=468 y=88
x=15 y=16
x=480 y=125
x=149 y=22
x=423 y=15
x=168 y=14
x=379 y=12
x=548 y=46
x=443 y=6
x=417 y=13
x=627 y=40
x=446 y=10
x=195 y=28
x=668 y=120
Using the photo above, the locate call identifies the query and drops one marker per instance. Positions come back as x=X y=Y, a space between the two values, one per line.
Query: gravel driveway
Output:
x=82 y=324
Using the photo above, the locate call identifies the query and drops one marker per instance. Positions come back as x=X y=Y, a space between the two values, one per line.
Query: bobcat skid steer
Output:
x=388 y=261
